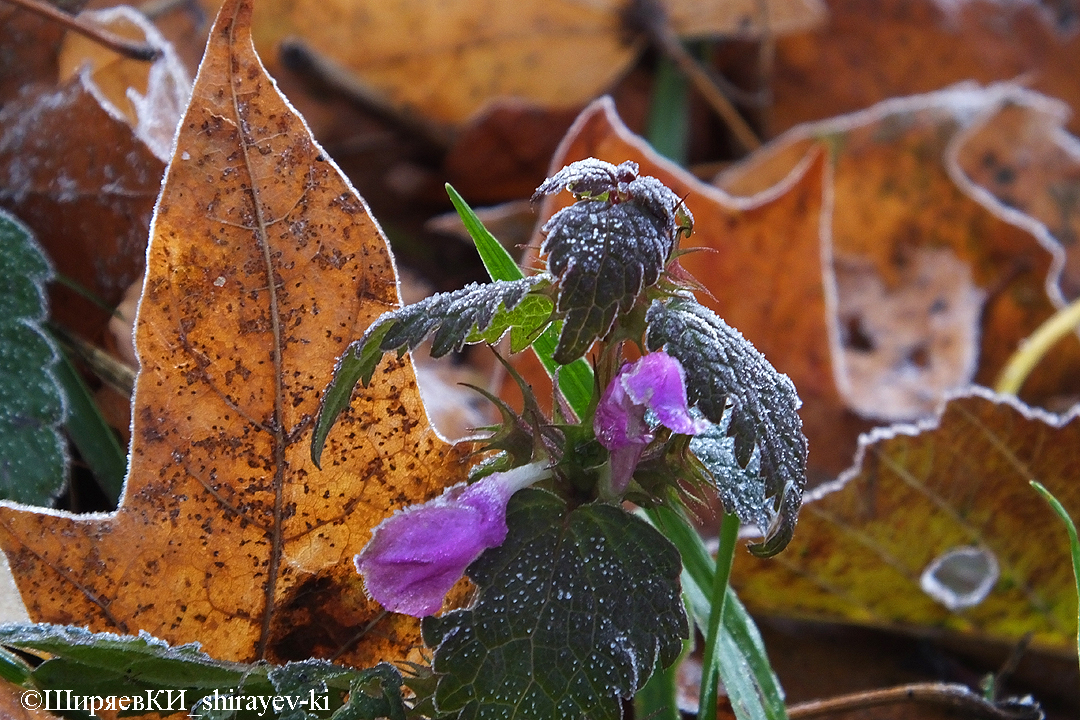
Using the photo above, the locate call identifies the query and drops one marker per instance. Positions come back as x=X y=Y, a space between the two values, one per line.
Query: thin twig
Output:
x=766 y=58
x=123 y=46
x=649 y=17
x=948 y=695
x=670 y=45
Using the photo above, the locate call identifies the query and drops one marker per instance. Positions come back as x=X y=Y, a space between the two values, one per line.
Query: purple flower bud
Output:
x=417 y=554
x=654 y=382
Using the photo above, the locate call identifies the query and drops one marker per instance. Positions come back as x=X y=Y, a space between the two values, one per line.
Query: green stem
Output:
x=710 y=665
x=1032 y=350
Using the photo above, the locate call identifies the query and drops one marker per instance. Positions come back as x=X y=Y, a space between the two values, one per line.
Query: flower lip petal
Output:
x=658 y=382
x=417 y=554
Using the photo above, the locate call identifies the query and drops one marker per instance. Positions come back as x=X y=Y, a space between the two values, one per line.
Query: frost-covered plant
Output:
x=577 y=598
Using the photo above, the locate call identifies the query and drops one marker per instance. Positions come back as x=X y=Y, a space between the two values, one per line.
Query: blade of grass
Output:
x=710 y=664
x=575 y=379
x=669 y=119
x=91 y=434
x=755 y=694
x=1074 y=546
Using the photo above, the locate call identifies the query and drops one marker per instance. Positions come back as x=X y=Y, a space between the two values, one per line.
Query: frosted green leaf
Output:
x=723 y=370
x=741 y=489
x=573 y=612
x=88 y=663
x=475 y=313
x=33 y=455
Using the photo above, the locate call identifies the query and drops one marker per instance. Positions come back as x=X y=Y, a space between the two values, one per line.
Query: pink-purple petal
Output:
x=654 y=382
x=416 y=555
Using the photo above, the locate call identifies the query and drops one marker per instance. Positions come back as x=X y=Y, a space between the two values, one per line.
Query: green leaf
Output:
x=141 y=659
x=741 y=489
x=364 y=704
x=606 y=248
x=105 y=664
x=33 y=453
x=525 y=322
x=574 y=610
x=472 y=314
x=723 y=368
x=453 y=317
x=350 y=368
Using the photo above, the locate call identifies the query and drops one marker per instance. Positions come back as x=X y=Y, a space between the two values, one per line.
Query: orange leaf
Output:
x=868 y=52
x=263 y=265
x=858 y=258
x=445 y=60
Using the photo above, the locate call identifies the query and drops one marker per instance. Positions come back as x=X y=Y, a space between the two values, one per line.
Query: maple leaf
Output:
x=263 y=264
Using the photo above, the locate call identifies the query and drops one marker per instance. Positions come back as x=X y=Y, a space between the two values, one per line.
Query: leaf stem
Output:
x=128 y=48
x=710 y=666
x=1032 y=350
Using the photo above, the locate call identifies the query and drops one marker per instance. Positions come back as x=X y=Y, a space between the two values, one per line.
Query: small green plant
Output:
x=578 y=599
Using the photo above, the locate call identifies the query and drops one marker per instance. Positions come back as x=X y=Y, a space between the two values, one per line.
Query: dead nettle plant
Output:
x=657 y=402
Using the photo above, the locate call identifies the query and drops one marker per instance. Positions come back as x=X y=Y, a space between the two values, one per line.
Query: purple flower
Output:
x=416 y=555
x=654 y=382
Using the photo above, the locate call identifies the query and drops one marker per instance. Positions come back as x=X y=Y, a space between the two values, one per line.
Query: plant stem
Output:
x=1032 y=350
x=710 y=667
x=128 y=48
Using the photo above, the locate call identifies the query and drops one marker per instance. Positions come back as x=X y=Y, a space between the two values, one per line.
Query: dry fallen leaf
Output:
x=263 y=265
x=861 y=260
x=82 y=163
x=446 y=60
x=1030 y=164
x=78 y=176
x=953 y=491
x=867 y=52
x=911 y=234
x=150 y=97
x=30 y=45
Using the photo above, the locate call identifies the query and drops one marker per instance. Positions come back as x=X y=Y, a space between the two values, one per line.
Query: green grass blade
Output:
x=710 y=664
x=575 y=379
x=1074 y=545
x=741 y=647
x=499 y=264
x=93 y=437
